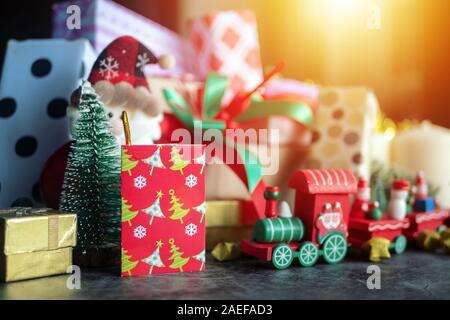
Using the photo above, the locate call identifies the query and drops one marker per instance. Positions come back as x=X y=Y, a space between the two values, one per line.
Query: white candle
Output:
x=427 y=148
x=381 y=148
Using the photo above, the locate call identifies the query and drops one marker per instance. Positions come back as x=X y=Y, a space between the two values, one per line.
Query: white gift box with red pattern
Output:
x=227 y=42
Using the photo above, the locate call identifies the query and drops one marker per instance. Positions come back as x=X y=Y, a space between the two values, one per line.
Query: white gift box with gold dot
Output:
x=343 y=129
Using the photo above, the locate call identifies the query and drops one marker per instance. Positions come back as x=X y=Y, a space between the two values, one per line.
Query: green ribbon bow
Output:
x=214 y=90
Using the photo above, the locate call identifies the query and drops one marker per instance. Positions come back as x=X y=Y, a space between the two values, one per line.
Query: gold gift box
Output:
x=35 y=242
x=225 y=223
x=223 y=213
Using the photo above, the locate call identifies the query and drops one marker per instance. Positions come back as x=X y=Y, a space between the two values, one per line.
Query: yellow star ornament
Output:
x=378 y=248
x=429 y=240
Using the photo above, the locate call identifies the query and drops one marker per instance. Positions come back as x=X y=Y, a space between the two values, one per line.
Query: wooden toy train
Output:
x=325 y=223
x=319 y=228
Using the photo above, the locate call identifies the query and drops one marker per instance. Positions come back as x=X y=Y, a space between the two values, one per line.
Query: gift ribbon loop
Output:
x=252 y=166
x=298 y=111
x=208 y=106
x=179 y=107
x=215 y=88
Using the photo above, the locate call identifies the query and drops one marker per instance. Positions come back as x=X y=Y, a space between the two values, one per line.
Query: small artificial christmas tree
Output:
x=202 y=209
x=155 y=209
x=176 y=257
x=154 y=260
x=386 y=174
x=127 y=163
x=178 y=163
x=200 y=257
x=155 y=160
x=91 y=187
x=176 y=208
x=379 y=194
x=127 y=214
x=127 y=265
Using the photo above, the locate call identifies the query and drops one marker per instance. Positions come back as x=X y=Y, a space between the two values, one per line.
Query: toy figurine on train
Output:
x=319 y=226
x=377 y=232
x=325 y=222
x=380 y=233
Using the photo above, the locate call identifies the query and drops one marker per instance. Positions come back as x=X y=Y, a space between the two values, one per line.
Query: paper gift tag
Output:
x=163 y=209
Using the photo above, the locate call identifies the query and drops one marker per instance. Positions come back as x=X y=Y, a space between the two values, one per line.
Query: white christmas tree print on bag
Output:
x=155 y=160
x=201 y=209
x=154 y=260
x=155 y=209
x=201 y=257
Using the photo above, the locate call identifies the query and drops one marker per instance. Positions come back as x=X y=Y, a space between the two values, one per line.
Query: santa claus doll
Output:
x=421 y=187
x=397 y=206
x=362 y=206
x=119 y=80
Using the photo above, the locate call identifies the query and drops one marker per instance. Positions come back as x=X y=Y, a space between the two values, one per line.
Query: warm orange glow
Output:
x=341 y=8
x=404 y=57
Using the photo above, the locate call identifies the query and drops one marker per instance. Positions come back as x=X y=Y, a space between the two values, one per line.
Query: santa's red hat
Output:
x=118 y=75
x=362 y=183
x=420 y=178
x=400 y=185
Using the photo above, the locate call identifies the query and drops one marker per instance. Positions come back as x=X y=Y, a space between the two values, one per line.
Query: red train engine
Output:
x=319 y=228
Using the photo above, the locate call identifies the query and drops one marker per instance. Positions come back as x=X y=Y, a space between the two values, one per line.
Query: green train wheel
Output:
x=400 y=244
x=308 y=254
x=334 y=248
x=282 y=256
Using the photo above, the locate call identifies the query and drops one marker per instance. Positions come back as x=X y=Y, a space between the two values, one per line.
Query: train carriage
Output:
x=319 y=228
x=362 y=230
x=426 y=215
x=433 y=220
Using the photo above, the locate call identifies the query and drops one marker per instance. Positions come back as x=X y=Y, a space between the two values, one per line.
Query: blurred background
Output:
x=400 y=48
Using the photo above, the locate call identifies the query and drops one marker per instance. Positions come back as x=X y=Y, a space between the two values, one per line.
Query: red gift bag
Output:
x=163 y=209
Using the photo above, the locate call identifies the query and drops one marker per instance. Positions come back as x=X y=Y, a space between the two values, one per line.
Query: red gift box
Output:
x=163 y=209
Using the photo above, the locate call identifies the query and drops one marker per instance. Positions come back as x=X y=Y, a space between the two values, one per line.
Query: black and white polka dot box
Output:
x=37 y=80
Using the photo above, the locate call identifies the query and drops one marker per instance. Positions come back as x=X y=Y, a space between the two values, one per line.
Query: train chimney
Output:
x=272 y=195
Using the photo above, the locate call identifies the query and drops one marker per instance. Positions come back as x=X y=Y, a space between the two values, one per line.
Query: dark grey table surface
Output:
x=414 y=275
